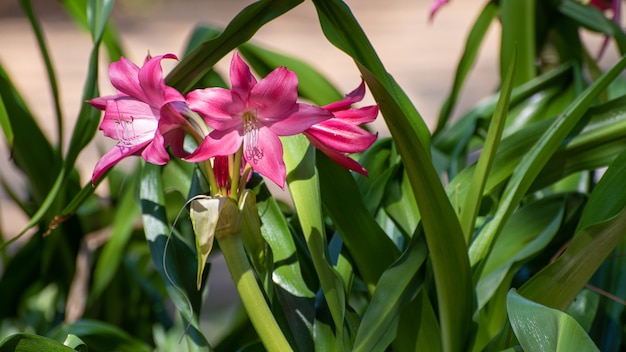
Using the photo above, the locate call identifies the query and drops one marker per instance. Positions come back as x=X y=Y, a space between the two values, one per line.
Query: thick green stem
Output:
x=253 y=299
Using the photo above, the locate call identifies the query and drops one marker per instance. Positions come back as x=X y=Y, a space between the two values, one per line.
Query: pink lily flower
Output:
x=133 y=115
x=254 y=114
x=342 y=135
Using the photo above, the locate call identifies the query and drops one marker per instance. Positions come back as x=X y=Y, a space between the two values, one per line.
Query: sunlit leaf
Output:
x=539 y=328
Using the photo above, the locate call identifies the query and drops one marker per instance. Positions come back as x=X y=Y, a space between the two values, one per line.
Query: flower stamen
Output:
x=125 y=130
x=251 y=138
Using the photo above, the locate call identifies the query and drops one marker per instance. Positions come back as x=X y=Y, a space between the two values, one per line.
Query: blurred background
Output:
x=420 y=54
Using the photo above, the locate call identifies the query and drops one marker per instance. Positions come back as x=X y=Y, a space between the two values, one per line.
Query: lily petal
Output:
x=150 y=78
x=338 y=157
x=304 y=117
x=215 y=144
x=271 y=164
x=112 y=157
x=275 y=95
x=241 y=78
x=124 y=77
x=216 y=107
x=341 y=136
x=353 y=97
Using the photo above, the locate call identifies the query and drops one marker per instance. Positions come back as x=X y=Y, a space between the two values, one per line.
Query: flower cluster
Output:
x=146 y=116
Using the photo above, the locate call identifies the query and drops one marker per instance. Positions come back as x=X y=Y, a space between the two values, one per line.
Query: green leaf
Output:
x=288 y=277
x=470 y=208
x=173 y=260
x=443 y=233
x=84 y=129
x=76 y=343
x=361 y=235
x=540 y=328
x=240 y=29
x=518 y=19
x=32 y=343
x=101 y=336
x=396 y=288
x=303 y=182
x=32 y=153
x=600 y=230
x=5 y=124
x=534 y=161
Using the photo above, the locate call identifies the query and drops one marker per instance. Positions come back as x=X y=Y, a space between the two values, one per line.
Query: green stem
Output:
x=235 y=174
x=253 y=299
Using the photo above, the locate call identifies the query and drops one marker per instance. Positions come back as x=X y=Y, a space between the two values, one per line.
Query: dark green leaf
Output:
x=239 y=30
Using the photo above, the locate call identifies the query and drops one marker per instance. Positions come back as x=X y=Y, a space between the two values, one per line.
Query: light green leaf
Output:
x=32 y=343
x=303 y=182
x=542 y=329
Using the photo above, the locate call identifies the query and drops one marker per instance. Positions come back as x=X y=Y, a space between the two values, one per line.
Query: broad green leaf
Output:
x=443 y=232
x=240 y=29
x=76 y=343
x=174 y=261
x=542 y=329
x=600 y=229
x=303 y=182
x=534 y=161
x=527 y=233
x=101 y=336
x=286 y=273
x=397 y=287
x=584 y=308
x=32 y=343
x=472 y=45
